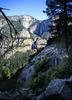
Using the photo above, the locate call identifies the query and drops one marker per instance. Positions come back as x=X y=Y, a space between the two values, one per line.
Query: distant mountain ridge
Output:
x=28 y=23
x=41 y=27
x=28 y=28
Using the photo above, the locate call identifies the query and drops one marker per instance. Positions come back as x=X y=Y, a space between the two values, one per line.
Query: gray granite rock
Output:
x=58 y=88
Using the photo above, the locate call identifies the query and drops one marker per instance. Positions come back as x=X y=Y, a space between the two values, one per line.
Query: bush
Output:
x=64 y=70
x=41 y=65
x=6 y=73
x=41 y=80
x=38 y=82
x=8 y=67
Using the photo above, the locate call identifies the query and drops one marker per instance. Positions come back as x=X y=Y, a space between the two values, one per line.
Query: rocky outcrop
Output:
x=40 y=28
x=55 y=56
x=9 y=96
x=26 y=36
x=33 y=25
x=53 y=53
x=25 y=20
x=58 y=89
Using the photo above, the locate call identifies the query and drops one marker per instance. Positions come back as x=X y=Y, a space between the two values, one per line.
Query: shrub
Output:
x=41 y=65
x=8 y=67
x=64 y=70
x=38 y=82
x=6 y=73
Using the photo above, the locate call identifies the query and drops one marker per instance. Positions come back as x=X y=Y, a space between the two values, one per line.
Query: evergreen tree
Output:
x=60 y=12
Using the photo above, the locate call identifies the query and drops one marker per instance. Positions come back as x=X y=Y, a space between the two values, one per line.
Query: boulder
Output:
x=58 y=89
x=26 y=75
x=54 y=55
x=9 y=96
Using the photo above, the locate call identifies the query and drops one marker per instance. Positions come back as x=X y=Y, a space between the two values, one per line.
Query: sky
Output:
x=25 y=7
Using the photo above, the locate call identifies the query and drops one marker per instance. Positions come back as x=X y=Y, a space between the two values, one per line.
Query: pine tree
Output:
x=60 y=12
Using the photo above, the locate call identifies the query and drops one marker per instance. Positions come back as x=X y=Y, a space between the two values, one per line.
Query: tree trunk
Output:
x=65 y=27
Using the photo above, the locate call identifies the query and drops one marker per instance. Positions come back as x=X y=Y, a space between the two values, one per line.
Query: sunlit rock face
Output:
x=27 y=21
x=28 y=28
x=41 y=27
x=24 y=33
x=32 y=25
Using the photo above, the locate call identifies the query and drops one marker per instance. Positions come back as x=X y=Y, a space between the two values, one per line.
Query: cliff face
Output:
x=25 y=20
x=28 y=28
x=41 y=27
x=31 y=24
x=34 y=80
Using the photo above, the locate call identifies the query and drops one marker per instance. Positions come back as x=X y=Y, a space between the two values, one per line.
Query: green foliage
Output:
x=64 y=70
x=38 y=82
x=61 y=26
x=42 y=79
x=41 y=65
x=9 y=67
x=6 y=72
x=17 y=25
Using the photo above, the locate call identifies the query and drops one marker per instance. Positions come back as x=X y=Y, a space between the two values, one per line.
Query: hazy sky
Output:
x=25 y=7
